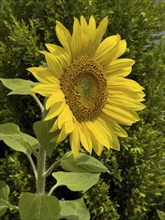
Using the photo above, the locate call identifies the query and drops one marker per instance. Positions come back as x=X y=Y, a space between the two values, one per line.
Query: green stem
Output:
x=33 y=165
x=13 y=207
x=41 y=158
x=39 y=103
x=41 y=162
x=52 y=189
x=33 y=150
x=51 y=168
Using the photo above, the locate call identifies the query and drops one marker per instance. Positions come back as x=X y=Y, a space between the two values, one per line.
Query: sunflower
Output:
x=87 y=93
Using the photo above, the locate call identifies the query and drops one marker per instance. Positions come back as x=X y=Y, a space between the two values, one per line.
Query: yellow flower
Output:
x=87 y=94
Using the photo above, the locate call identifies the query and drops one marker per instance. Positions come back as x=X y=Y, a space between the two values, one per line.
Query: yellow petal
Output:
x=114 y=125
x=56 y=97
x=121 y=48
x=126 y=102
x=122 y=84
x=69 y=126
x=85 y=137
x=46 y=89
x=85 y=38
x=54 y=127
x=55 y=110
x=75 y=142
x=118 y=72
x=139 y=96
x=97 y=147
x=96 y=34
x=55 y=49
x=92 y=24
x=110 y=134
x=61 y=54
x=91 y=33
x=106 y=50
x=61 y=137
x=64 y=117
x=122 y=115
x=97 y=132
x=118 y=65
x=76 y=43
x=43 y=75
x=63 y=35
x=84 y=24
x=53 y=64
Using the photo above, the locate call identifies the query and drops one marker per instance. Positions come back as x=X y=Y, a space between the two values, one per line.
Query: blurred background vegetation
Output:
x=135 y=187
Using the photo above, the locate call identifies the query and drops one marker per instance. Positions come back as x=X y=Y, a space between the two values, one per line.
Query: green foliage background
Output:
x=135 y=187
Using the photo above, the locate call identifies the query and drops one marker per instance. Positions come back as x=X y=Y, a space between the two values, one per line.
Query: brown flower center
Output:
x=85 y=88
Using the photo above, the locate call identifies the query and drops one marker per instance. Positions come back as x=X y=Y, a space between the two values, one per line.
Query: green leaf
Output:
x=76 y=181
x=41 y=129
x=39 y=207
x=161 y=214
x=31 y=141
x=19 y=86
x=83 y=163
x=18 y=141
x=8 y=129
x=74 y=210
x=4 y=194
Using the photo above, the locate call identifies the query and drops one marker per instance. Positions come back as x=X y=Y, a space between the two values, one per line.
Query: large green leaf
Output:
x=4 y=194
x=19 y=86
x=76 y=181
x=83 y=163
x=74 y=210
x=41 y=129
x=39 y=207
x=11 y=135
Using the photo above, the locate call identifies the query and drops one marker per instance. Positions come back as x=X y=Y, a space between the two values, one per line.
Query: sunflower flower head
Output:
x=87 y=93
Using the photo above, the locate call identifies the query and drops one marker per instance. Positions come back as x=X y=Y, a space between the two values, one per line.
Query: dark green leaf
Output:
x=39 y=207
x=76 y=181
x=41 y=129
x=74 y=210
x=83 y=163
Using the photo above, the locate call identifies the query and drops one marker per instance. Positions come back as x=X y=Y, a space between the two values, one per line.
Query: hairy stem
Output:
x=41 y=157
x=41 y=162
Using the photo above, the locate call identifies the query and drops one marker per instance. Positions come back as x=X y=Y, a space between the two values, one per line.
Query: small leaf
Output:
x=76 y=181
x=4 y=194
x=161 y=214
x=39 y=207
x=11 y=135
x=74 y=210
x=41 y=129
x=19 y=86
x=8 y=129
x=83 y=163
